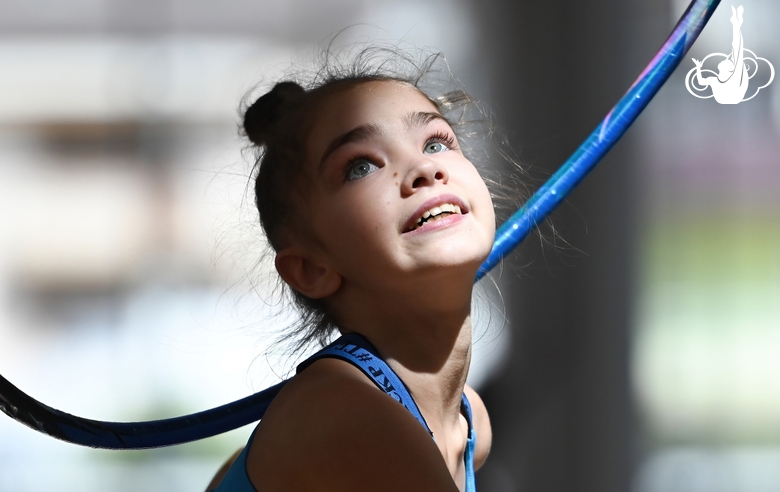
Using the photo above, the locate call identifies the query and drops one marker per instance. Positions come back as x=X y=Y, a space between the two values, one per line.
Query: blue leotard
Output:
x=358 y=351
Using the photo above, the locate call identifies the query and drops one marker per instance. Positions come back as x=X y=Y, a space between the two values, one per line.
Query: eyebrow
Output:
x=360 y=133
x=422 y=118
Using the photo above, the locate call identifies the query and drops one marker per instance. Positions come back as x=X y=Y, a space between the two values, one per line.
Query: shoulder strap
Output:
x=358 y=351
x=464 y=402
x=471 y=485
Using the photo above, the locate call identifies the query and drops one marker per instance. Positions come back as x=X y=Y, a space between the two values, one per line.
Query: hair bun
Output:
x=261 y=116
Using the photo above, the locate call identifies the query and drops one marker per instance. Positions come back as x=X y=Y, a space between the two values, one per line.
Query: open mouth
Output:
x=435 y=213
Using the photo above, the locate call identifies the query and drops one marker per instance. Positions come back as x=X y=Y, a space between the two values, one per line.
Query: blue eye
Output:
x=434 y=148
x=360 y=168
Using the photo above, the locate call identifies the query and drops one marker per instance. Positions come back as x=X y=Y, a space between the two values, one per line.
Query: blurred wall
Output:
x=645 y=320
x=562 y=409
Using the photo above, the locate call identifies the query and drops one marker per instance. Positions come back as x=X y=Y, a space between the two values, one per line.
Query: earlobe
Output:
x=306 y=275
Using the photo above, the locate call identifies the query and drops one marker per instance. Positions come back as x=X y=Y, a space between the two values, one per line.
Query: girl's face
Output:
x=390 y=193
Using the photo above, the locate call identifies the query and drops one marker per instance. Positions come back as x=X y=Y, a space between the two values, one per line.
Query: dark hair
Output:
x=277 y=124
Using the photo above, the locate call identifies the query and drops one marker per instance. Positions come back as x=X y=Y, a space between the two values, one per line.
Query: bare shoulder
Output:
x=481 y=425
x=330 y=428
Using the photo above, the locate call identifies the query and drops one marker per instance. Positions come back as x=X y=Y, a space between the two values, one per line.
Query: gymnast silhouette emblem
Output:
x=731 y=83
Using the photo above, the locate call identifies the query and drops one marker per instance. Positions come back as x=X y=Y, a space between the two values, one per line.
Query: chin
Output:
x=466 y=256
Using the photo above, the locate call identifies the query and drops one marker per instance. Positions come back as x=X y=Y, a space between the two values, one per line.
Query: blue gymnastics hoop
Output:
x=140 y=435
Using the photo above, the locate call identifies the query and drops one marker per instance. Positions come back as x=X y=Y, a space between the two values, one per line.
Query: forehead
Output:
x=375 y=102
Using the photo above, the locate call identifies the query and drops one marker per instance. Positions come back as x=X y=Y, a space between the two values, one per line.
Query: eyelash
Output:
x=445 y=138
x=439 y=136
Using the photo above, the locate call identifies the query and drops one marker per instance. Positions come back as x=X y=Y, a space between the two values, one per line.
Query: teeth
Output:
x=433 y=213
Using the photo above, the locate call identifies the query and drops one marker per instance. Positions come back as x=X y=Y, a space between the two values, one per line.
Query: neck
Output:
x=427 y=343
x=437 y=390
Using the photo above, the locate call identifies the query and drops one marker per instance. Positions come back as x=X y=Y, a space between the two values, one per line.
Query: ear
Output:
x=306 y=275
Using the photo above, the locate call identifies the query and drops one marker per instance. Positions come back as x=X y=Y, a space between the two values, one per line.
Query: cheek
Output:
x=354 y=222
x=487 y=204
x=480 y=195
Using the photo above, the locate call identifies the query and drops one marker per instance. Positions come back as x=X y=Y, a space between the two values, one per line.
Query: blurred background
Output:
x=640 y=351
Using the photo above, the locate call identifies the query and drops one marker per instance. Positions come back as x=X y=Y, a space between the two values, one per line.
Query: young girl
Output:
x=379 y=223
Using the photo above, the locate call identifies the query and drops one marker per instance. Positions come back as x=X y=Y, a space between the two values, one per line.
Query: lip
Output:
x=435 y=202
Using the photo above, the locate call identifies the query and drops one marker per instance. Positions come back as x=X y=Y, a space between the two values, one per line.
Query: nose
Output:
x=422 y=173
